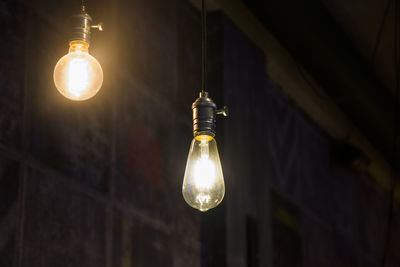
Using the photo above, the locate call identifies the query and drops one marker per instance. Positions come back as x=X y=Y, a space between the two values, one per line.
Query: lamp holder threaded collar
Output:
x=81 y=25
x=204 y=115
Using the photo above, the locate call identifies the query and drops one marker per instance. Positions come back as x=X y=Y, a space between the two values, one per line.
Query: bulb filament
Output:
x=204 y=170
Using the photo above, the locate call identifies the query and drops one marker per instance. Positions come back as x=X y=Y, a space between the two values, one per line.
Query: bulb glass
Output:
x=203 y=185
x=78 y=75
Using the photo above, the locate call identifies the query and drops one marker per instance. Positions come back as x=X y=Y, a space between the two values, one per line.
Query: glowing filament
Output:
x=204 y=173
x=78 y=76
x=203 y=186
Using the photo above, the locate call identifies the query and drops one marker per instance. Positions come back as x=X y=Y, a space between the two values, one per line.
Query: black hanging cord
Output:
x=204 y=45
x=381 y=27
x=395 y=131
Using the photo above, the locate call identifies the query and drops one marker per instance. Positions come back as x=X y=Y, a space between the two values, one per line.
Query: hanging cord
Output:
x=379 y=35
x=83 y=5
x=204 y=46
x=395 y=132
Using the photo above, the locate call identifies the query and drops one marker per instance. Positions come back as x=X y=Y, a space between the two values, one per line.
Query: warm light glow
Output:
x=204 y=173
x=78 y=75
x=203 y=186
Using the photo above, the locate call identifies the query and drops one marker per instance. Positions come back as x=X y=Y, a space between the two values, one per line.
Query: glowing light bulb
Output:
x=78 y=75
x=203 y=185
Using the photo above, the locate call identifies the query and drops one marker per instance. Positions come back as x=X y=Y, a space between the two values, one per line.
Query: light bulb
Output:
x=78 y=75
x=203 y=185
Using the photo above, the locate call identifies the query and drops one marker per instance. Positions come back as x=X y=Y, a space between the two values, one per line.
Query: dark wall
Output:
x=287 y=188
x=98 y=183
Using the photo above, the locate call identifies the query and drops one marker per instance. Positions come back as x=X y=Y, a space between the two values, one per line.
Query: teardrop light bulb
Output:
x=203 y=185
x=78 y=75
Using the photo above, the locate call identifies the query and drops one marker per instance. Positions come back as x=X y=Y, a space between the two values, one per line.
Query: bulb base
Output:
x=204 y=115
x=80 y=27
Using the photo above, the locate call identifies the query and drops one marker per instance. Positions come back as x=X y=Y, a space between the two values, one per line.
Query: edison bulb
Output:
x=203 y=185
x=78 y=75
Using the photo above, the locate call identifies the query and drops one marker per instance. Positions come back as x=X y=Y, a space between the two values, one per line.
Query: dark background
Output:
x=98 y=183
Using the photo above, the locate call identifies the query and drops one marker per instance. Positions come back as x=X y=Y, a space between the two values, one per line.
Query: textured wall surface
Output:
x=98 y=183
x=282 y=173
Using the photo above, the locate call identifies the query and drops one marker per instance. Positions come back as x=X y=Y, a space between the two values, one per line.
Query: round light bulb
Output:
x=203 y=185
x=77 y=75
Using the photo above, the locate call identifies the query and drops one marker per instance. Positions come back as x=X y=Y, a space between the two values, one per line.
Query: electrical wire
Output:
x=380 y=31
x=204 y=45
x=395 y=132
x=374 y=52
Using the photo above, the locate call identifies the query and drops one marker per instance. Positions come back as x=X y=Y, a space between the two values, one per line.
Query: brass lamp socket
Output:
x=204 y=115
x=81 y=25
